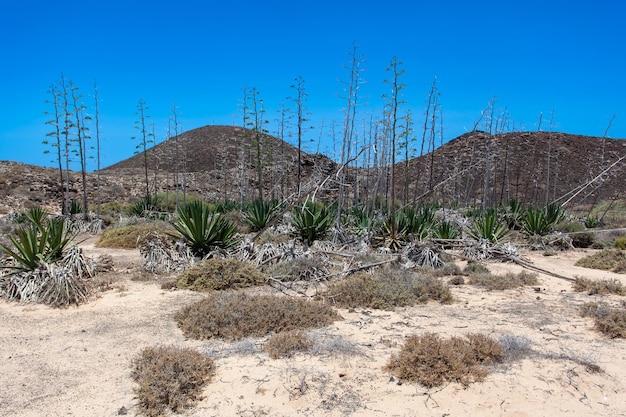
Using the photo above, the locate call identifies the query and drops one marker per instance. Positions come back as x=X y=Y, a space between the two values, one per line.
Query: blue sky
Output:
x=533 y=56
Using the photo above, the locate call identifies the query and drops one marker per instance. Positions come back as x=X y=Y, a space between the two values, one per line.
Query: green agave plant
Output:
x=489 y=227
x=445 y=231
x=260 y=212
x=313 y=221
x=540 y=221
x=203 y=229
x=34 y=243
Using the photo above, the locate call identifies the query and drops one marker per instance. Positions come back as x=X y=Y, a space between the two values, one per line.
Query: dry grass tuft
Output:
x=234 y=315
x=129 y=237
x=170 y=378
x=432 y=361
x=620 y=242
x=608 y=320
x=285 y=344
x=603 y=286
x=607 y=259
x=220 y=274
x=503 y=282
x=388 y=289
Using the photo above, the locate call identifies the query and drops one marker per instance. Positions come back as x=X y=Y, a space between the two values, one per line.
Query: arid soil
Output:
x=76 y=361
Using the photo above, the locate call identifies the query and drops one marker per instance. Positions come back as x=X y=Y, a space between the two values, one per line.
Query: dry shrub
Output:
x=234 y=315
x=608 y=320
x=220 y=274
x=431 y=361
x=446 y=270
x=285 y=344
x=503 y=282
x=129 y=237
x=603 y=286
x=299 y=269
x=607 y=259
x=473 y=268
x=388 y=289
x=456 y=280
x=620 y=242
x=170 y=378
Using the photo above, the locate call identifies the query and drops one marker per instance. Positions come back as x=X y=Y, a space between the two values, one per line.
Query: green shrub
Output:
x=607 y=259
x=234 y=315
x=170 y=379
x=503 y=282
x=620 y=242
x=432 y=361
x=220 y=274
x=203 y=229
x=285 y=344
x=313 y=221
x=387 y=290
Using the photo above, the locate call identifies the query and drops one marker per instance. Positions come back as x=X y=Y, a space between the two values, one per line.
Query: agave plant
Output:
x=540 y=221
x=260 y=212
x=445 y=231
x=36 y=216
x=33 y=244
x=489 y=227
x=313 y=221
x=143 y=206
x=203 y=229
x=419 y=221
x=513 y=212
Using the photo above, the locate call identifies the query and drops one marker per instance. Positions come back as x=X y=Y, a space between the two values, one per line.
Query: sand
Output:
x=76 y=361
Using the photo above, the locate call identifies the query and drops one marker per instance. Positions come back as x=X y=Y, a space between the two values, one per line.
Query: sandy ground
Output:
x=76 y=361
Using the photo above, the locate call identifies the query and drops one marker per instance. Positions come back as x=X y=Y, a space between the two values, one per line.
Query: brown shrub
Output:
x=603 y=286
x=234 y=315
x=503 y=282
x=607 y=259
x=620 y=242
x=170 y=378
x=473 y=268
x=388 y=289
x=285 y=344
x=129 y=237
x=608 y=320
x=220 y=274
x=431 y=361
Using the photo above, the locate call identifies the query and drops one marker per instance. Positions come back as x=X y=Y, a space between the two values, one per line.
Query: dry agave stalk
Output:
x=160 y=256
x=423 y=256
x=484 y=249
x=55 y=285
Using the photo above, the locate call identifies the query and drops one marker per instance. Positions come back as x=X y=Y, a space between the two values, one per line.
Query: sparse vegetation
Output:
x=432 y=361
x=233 y=315
x=607 y=259
x=608 y=320
x=603 y=286
x=503 y=282
x=386 y=290
x=170 y=379
x=220 y=274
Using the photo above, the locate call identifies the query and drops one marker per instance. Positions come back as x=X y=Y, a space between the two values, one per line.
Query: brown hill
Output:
x=533 y=167
x=529 y=166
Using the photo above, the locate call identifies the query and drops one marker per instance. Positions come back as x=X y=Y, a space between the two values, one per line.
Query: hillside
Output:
x=529 y=166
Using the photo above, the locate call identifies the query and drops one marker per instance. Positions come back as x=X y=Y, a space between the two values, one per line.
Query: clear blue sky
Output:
x=533 y=56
